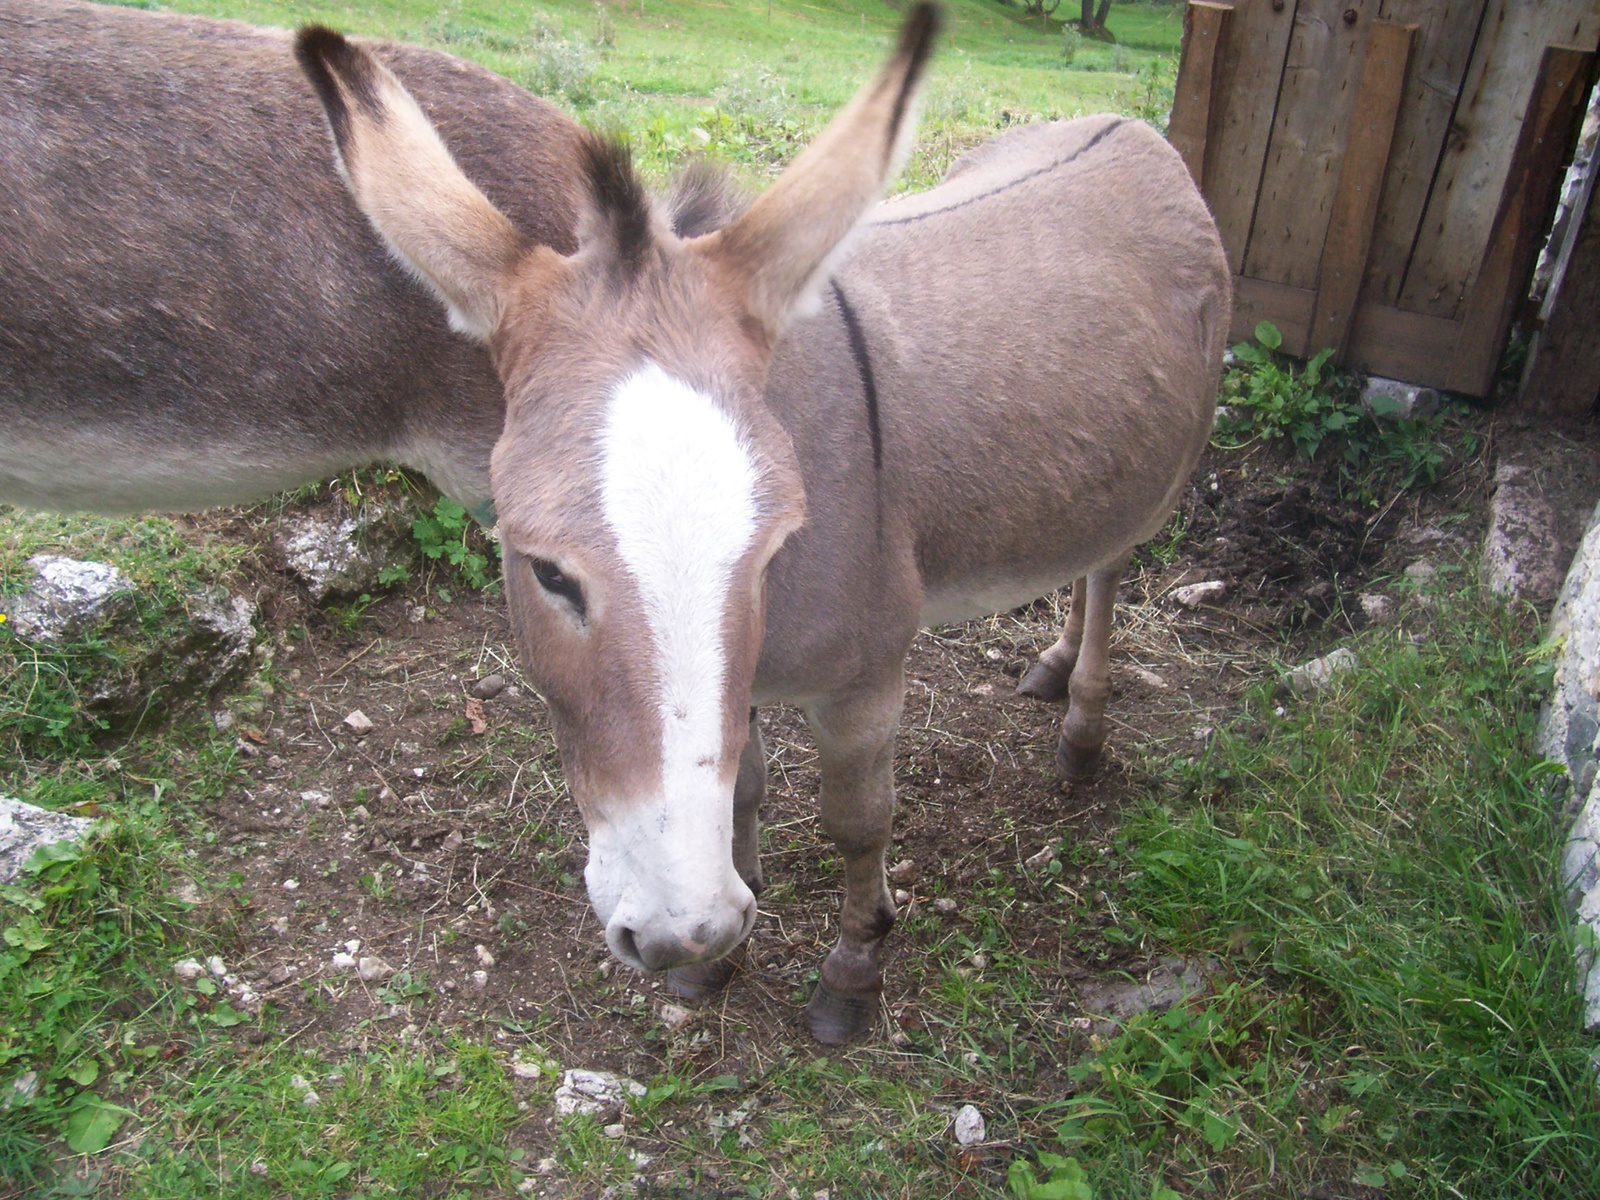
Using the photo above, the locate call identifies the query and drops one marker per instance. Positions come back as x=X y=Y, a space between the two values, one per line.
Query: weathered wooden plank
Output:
x=1361 y=173
x=1563 y=375
x=1500 y=281
x=1308 y=139
x=1205 y=38
x=1447 y=31
x=1472 y=174
x=1252 y=70
x=1383 y=340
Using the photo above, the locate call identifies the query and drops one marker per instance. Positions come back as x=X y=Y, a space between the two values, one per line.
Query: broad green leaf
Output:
x=85 y=1072
x=92 y=1123
x=1267 y=334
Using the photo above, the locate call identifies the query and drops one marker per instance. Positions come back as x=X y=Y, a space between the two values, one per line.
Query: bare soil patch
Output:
x=445 y=851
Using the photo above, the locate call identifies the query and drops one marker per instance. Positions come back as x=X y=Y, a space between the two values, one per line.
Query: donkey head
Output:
x=642 y=486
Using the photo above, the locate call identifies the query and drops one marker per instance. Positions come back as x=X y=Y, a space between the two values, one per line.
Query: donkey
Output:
x=192 y=312
x=699 y=515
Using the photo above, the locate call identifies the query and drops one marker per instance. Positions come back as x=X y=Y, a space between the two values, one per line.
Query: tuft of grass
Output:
x=1374 y=869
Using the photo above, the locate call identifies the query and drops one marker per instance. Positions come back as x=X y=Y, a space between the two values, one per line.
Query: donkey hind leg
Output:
x=1083 y=730
x=1048 y=679
x=855 y=744
x=701 y=980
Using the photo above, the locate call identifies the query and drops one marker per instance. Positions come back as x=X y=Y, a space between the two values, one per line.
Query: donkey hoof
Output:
x=835 y=1015
x=1043 y=682
x=1077 y=765
x=701 y=981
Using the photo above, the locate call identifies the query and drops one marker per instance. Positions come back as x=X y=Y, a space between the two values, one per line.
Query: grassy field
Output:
x=1372 y=868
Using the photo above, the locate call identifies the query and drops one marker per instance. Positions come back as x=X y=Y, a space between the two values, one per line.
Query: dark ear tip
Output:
x=920 y=29
x=317 y=44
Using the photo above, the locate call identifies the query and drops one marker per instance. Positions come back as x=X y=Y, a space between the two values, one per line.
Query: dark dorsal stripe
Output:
x=869 y=386
x=1011 y=183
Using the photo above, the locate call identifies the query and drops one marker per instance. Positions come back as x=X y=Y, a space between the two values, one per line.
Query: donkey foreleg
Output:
x=1083 y=730
x=1050 y=676
x=855 y=745
x=705 y=979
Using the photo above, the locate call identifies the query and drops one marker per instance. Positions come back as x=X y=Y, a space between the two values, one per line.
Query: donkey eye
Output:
x=558 y=583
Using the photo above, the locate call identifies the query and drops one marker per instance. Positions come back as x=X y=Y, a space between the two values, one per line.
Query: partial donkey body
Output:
x=1013 y=377
x=192 y=310
x=1008 y=385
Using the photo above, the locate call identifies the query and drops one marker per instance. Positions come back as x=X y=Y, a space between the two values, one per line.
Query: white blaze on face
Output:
x=679 y=493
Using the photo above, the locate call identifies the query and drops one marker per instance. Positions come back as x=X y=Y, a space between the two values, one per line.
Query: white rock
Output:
x=340 y=556
x=24 y=828
x=358 y=723
x=1041 y=860
x=216 y=966
x=66 y=596
x=904 y=872
x=480 y=981
x=353 y=946
x=583 y=1091
x=901 y=897
x=970 y=1129
x=614 y=1131
x=1400 y=401
x=22 y=1089
x=373 y=969
x=188 y=969
x=1149 y=679
x=360 y=814
x=291 y=885
x=484 y=957
x=1196 y=595
x=1319 y=673
x=945 y=906
x=343 y=962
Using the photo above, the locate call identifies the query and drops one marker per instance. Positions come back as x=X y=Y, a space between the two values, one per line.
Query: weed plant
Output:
x=1265 y=395
x=1372 y=872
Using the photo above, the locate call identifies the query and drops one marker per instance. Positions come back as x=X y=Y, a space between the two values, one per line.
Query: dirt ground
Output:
x=444 y=843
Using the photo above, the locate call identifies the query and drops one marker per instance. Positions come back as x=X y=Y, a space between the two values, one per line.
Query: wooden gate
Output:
x=1381 y=170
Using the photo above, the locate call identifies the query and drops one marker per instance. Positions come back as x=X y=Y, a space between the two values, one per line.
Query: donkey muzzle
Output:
x=656 y=938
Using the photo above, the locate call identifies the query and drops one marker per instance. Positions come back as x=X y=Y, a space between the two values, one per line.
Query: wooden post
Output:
x=1563 y=375
x=1355 y=199
x=1553 y=111
x=1205 y=39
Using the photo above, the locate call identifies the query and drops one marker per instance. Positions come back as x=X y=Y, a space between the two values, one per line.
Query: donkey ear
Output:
x=434 y=219
x=784 y=243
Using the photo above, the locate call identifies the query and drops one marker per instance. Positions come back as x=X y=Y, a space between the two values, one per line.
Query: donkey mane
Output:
x=703 y=198
x=621 y=206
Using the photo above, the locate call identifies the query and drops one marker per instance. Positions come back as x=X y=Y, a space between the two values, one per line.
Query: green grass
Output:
x=1374 y=869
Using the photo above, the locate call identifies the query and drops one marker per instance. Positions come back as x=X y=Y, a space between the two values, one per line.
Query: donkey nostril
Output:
x=626 y=946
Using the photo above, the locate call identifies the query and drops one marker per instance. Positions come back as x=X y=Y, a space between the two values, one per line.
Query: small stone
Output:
x=1400 y=401
x=223 y=720
x=373 y=969
x=1422 y=571
x=979 y=960
x=484 y=957
x=945 y=906
x=1041 y=860
x=614 y=1131
x=216 y=966
x=1196 y=595
x=314 y=799
x=353 y=946
x=900 y=1039
x=291 y=885
x=360 y=815
x=480 y=981
x=901 y=897
x=359 y=723
x=546 y=1166
x=1150 y=679
x=674 y=1016
x=453 y=841
x=258 y=1167
x=489 y=687
x=1320 y=673
x=1377 y=608
x=187 y=969
x=281 y=973
x=970 y=1129
x=279 y=926
x=342 y=961
x=903 y=872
